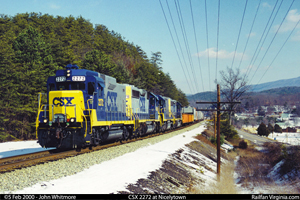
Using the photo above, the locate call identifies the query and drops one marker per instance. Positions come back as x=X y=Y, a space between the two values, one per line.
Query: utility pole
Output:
x=218 y=132
x=218 y=125
x=215 y=126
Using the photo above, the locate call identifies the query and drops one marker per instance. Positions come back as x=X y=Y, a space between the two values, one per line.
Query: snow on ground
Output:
x=8 y=149
x=114 y=175
x=226 y=147
x=286 y=137
x=205 y=174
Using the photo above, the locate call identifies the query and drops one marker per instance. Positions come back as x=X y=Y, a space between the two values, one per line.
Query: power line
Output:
x=196 y=45
x=207 y=45
x=273 y=38
x=174 y=43
x=217 y=40
x=192 y=81
x=185 y=41
x=279 y=51
x=249 y=36
x=248 y=68
x=178 y=41
x=237 y=42
x=266 y=38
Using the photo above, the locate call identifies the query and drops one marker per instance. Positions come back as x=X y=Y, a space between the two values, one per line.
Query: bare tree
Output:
x=233 y=87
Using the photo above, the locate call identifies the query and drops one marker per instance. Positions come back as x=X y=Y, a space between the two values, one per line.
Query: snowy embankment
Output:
x=117 y=173
x=286 y=137
x=8 y=149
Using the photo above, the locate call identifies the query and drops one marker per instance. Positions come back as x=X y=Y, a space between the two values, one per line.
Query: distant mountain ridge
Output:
x=280 y=87
x=281 y=91
x=276 y=84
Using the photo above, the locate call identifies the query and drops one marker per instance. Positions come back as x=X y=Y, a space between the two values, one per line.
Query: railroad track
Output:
x=17 y=162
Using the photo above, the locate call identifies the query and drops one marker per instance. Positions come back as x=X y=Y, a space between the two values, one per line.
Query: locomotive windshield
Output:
x=68 y=86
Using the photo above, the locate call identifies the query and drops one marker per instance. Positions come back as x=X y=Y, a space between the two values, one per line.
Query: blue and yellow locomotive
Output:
x=84 y=107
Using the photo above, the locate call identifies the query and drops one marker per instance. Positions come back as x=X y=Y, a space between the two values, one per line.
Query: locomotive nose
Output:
x=66 y=106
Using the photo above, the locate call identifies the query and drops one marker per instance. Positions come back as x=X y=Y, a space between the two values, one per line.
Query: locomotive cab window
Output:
x=99 y=90
x=161 y=103
x=77 y=86
x=63 y=86
x=91 y=88
x=69 y=86
x=152 y=101
x=51 y=87
x=135 y=94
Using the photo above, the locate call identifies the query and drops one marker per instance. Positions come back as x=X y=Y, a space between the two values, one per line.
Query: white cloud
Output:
x=290 y=22
x=54 y=6
x=251 y=34
x=266 y=5
x=222 y=54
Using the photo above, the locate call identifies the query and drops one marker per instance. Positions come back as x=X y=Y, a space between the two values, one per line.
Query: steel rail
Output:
x=27 y=160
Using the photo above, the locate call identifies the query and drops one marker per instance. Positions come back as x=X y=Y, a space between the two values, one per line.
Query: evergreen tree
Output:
x=228 y=130
x=34 y=64
x=262 y=130
x=277 y=129
x=156 y=60
x=33 y=46
x=98 y=61
x=270 y=128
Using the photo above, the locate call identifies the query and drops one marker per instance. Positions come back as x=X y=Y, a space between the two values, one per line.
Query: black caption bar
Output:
x=147 y=196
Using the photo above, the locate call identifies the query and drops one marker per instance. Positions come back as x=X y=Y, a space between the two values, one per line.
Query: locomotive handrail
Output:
x=88 y=105
x=85 y=123
x=40 y=98
x=89 y=114
x=131 y=114
x=39 y=110
x=66 y=110
x=173 y=117
x=93 y=99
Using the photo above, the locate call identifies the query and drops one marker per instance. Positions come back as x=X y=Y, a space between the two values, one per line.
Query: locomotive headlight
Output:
x=72 y=120
x=68 y=71
x=68 y=75
x=45 y=120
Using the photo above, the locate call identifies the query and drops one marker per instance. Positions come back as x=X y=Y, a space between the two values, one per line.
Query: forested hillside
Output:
x=33 y=46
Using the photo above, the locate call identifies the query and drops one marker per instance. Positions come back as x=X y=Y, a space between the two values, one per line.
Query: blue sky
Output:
x=142 y=22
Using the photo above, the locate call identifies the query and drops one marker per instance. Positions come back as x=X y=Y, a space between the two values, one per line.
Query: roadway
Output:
x=258 y=140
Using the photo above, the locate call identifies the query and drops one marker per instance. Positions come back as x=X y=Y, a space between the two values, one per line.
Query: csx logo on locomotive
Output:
x=61 y=101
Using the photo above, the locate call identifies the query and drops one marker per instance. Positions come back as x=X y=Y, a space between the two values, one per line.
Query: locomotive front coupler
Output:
x=60 y=129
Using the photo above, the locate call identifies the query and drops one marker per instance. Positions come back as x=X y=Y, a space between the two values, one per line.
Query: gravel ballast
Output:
x=22 y=178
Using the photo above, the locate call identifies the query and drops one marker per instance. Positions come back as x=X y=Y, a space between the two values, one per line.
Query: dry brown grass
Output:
x=208 y=133
x=205 y=140
x=226 y=185
x=253 y=167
